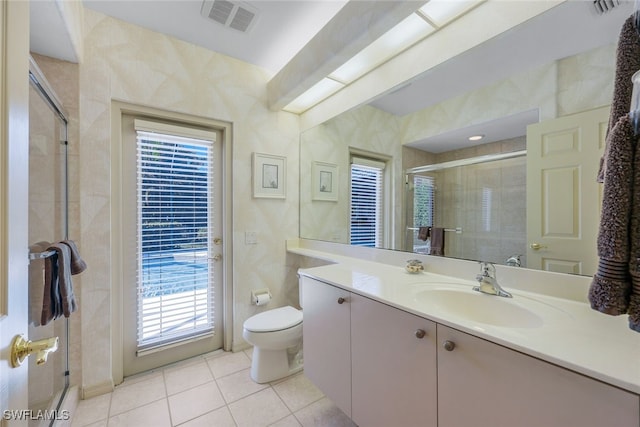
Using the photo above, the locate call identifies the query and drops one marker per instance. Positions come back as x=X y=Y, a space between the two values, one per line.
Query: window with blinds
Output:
x=423 y=201
x=174 y=199
x=367 y=185
x=423 y=209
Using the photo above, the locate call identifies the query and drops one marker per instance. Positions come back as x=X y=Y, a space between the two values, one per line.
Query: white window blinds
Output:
x=366 y=227
x=423 y=201
x=174 y=197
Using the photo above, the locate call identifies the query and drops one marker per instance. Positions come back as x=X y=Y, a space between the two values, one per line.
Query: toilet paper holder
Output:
x=260 y=296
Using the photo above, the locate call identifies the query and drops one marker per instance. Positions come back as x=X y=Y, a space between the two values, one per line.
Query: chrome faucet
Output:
x=514 y=261
x=488 y=282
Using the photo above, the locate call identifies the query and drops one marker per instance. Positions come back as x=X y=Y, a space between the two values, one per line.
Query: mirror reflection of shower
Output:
x=479 y=202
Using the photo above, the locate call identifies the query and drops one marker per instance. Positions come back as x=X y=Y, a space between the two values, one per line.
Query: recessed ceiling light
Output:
x=476 y=137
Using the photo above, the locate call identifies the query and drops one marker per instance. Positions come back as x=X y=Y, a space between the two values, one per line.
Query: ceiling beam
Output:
x=353 y=28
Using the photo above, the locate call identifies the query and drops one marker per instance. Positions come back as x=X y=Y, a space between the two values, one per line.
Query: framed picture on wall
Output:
x=269 y=175
x=324 y=181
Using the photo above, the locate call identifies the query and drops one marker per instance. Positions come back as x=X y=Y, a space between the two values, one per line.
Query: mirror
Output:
x=557 y=64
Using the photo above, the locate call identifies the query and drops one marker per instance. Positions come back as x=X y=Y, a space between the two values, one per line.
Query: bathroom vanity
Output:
x=392 y=348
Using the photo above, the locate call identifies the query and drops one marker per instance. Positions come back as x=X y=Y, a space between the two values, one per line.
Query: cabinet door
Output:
x=484 y=384
x=326 y=342
x=393 y=366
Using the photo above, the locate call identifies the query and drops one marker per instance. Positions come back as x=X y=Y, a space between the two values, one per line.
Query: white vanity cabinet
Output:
x=393 y=366
x=326 y=337
x=484 y=384
x=375 y=362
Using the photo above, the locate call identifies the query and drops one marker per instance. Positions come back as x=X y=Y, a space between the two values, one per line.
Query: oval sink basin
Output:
x=487 y=309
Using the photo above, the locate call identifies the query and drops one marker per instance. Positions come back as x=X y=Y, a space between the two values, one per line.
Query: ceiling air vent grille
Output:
x=233 y=14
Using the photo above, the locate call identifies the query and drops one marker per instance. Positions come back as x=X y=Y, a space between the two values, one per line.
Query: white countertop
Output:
x=570 y=334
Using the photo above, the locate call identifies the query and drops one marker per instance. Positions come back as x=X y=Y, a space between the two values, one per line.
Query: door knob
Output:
x=537 y=246
x=420 y=333
x=341 y=300
x=21 y=348
x=449 y=345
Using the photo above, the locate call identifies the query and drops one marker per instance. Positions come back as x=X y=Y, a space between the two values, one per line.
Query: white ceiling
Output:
x=284 y=27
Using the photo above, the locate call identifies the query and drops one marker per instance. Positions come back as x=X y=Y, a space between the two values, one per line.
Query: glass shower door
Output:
x=47 y=224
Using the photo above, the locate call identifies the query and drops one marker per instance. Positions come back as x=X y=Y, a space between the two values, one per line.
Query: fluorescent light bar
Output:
x=318 y=92
x=440 y=12
x=409 y=31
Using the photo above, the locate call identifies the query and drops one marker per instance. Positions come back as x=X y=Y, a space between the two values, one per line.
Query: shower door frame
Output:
x=40 y=84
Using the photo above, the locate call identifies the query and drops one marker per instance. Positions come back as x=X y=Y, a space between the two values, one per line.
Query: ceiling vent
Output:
x=233 y=14
x=603 y=6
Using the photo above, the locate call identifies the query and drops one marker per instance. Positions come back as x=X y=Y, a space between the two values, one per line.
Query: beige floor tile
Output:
x=91 y=410
x=102 y=423
x=218 y=418
x=289 y=421
x=238 y=385
x=155 y=414
x=181 y=378
x=249 y=353
x=195 y=402
x=323 y=413
x=297 y=392
x=228 y=363
x=130 y=396
x=259 y=409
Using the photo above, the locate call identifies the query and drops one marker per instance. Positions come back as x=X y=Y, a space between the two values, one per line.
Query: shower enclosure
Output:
x=479 y=202
x=48 y=222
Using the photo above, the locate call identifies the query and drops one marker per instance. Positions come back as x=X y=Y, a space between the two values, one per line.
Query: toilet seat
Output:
x=274 y=320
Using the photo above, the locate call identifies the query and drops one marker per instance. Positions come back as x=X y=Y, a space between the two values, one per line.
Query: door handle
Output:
x=537 y=246
x=21 y=348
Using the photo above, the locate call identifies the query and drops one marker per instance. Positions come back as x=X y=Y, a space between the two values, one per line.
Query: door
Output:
x=14 y=191
x=563 y=197
x=327 y=343
x=484 y=384
x=172 y=196
x=393 y=366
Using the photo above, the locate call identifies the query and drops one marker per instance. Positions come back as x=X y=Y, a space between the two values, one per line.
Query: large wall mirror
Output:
x=493 y=199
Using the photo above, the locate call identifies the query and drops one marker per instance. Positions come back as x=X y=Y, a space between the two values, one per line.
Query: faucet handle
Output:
x=487 y=269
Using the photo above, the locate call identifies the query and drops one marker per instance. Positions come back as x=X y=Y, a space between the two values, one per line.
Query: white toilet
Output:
x=276 y=336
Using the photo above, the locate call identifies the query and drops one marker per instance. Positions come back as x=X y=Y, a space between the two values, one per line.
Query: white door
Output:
x=14 y=192
x=563 y=197
x=172 y=222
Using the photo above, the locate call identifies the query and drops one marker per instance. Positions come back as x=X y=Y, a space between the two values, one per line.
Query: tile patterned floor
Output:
x=210 y=391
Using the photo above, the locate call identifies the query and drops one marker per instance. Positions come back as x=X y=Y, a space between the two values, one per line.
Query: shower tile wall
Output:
x=45 y=212
x=487 y=200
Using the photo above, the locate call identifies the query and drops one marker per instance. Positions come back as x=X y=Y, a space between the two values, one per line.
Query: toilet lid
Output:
x=274 y=320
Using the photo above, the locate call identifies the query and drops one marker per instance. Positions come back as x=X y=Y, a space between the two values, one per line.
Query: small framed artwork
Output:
x=269 y=174
x=324 y=181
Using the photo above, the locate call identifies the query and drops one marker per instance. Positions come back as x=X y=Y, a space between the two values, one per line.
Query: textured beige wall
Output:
x=128 y=63
x=570 y=85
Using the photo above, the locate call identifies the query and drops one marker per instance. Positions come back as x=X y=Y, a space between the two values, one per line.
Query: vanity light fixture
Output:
x=476 y=137
x=441 y=12
x=317 y=93
x=416 y=27
x=408 y=32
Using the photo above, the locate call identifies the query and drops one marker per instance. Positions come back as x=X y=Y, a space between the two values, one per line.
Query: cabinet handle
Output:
x=420 y=333
x=341 y=300
x=449 y=345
